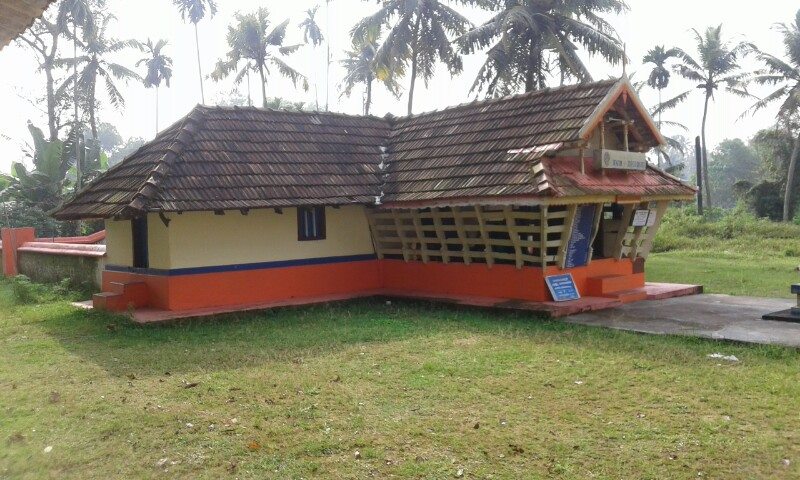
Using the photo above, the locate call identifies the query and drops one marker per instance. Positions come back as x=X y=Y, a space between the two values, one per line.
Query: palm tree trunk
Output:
x=414 y=48
x=92 y=112
x=704 y=173
x=529 y=86
x=156 y=110
x=199 y=67
x=78 y=167
x=789 y=193
x=413 y=81
x=368 y=100
x=51 y=103
x=249 y=97
x=316 y=83
x=327 y=52
x=263 y=86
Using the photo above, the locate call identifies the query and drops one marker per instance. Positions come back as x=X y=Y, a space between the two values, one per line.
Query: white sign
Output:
x=651 y=219
x=640 y=218
x=620 y=160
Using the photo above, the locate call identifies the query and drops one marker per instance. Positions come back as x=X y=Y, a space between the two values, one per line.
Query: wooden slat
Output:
x=543 y=236
x=647 y=246
x=627 y=213
x=459 y=221
x=423 y=246
x=484 y=236
x=406 y=253
x=376 y=238
x=437 y=223
x=511 y=225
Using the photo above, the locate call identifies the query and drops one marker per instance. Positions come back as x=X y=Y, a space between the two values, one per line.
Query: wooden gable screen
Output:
x=519 y=235
x=475 y=234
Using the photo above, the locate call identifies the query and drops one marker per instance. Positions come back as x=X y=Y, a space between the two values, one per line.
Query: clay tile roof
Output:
x=17 y=15
x=221 y=158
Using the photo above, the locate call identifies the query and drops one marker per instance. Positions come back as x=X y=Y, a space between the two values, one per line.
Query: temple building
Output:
x=234 y=208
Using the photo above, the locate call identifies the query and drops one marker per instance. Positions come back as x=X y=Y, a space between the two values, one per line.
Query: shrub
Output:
x=25 y=291
x=736 y=230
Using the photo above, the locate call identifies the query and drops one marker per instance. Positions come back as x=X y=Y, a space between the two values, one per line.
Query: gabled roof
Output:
x=17 y=15
x=233 y=158
x=237 y=158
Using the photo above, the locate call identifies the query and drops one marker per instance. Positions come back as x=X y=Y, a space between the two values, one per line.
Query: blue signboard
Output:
x=579 y=247
x=562 y=287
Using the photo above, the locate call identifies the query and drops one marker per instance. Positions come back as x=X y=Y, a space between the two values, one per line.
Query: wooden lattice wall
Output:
x=519 y=235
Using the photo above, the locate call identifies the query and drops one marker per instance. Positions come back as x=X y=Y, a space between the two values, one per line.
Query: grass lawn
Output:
x=726 y=272
x=735 y=254
x=420 y=391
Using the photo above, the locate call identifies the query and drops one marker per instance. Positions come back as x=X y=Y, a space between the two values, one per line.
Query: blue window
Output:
x=310 y=223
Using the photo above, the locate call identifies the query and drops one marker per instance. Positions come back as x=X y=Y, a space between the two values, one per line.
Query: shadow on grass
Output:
x=241 y=339
x=232 y=341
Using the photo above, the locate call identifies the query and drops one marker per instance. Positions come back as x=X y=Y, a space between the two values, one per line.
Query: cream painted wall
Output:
x=158 y=242
x=119 y=243
x=198 y=239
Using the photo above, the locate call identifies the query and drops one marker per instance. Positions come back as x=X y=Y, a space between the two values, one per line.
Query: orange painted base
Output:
x=499 y=281
x=601 y=278
x=183 y=292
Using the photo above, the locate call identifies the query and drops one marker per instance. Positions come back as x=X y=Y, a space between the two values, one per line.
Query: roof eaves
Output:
x=605 y=105
x=151 y=188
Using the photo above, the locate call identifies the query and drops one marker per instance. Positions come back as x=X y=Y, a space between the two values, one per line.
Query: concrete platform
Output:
x=711 y=316
x=550 y=309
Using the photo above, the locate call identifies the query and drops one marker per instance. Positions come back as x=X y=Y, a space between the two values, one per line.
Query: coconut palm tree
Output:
x=660 y=75
x=76 y=14
x=419 y=34
x=158 y=65
x=312 y=34
x=251 y=40
x=785 y=75
x=194 y=11
x=530 y=40
x=95 y=63
x=717 y=64
x=360 y=67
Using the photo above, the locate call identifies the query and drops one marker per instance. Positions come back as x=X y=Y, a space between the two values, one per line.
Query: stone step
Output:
x=629 y=296
x=605 y=285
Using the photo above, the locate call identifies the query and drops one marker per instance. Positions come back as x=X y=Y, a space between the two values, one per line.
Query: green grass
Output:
x=419 y=390
x=734 y=254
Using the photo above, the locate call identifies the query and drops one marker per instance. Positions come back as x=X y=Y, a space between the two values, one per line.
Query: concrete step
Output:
x=123 y=295
x=605 y=285
x=109 y=301
x=629 y=296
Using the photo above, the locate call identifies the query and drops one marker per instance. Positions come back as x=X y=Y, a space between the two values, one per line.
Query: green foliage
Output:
x=419 y=36
x=731 y=161
x=311 y=31
x=255 y=47
x=684 y=229
x=529 y=41
x=361 y=66
x=25 y=292
x=43 y=186
x=157 y=64
x=195 y=10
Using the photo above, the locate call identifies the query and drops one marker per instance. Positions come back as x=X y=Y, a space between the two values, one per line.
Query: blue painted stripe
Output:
x=242 y=267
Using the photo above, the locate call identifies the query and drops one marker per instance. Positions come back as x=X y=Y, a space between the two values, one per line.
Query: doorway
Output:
x=139 y=229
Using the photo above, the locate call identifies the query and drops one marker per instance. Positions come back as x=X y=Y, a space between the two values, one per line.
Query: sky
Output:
x=648 y=23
